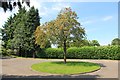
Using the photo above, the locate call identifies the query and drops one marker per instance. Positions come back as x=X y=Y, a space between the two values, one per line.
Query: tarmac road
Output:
x=22 y=67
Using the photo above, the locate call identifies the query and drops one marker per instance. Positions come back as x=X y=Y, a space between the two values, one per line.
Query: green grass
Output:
x=68 y=68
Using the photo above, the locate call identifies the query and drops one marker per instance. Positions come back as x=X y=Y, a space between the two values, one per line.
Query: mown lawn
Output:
x=68 y=68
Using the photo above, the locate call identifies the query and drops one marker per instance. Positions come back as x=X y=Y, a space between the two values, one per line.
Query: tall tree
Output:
x=31 y=24
x=64 y=29
x=7 y=32
x=18 y=32
x=19 y=35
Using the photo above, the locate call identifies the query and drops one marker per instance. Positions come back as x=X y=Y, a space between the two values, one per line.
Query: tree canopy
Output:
x=10 y=4
x=115 y=41
x=64 y=29
x=18 y=31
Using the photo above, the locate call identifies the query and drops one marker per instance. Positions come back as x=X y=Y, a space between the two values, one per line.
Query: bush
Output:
x=51 y=53
x=6 y=52
x=102 y=52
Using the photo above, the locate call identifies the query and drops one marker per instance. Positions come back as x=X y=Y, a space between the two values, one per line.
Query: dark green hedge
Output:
x=102 y=52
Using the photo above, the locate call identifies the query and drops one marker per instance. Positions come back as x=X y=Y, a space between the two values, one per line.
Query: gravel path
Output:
x=22 y=67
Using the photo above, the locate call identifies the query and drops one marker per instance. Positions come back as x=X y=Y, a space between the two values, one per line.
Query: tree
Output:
x=64 y=29
x=85 y=42
x=24 y=33
x=31 y=24
x=19 y=35
x=95 y=43
x=18 y=31
x=115 y=41
x=7 y=4
x=7 y=32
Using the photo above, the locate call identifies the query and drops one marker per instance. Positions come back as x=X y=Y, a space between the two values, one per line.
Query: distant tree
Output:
x=85 y=42
x=95 y=43
x=108 y=44
x=79 y=43
x=10 y=4
x=64 y=29
x=115 y=41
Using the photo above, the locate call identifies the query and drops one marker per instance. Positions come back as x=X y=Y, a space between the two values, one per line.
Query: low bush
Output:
x=87 y=52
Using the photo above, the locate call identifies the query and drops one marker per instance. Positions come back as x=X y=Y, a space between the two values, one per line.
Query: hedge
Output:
x=102 y=52
x=51 y=53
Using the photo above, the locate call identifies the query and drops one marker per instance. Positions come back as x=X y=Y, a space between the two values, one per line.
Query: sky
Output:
x=100 y=19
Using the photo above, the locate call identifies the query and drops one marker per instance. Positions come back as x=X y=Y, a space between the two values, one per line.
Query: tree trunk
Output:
x=26 y=54
x=33 y=54
x=19 y=52
x=64 y=47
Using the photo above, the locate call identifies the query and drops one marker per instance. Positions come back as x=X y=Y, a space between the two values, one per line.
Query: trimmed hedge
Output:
x=51 y=53
x=102 y=52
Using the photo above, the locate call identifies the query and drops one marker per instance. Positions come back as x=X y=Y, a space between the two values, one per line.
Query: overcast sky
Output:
x=100 y=19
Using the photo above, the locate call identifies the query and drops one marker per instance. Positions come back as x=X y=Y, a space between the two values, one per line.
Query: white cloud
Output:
x=107 y=18
x=59 y=6
x=93 y=19
x=36 y=3
x=87 y=22
x=5 y=15
x=43 y=9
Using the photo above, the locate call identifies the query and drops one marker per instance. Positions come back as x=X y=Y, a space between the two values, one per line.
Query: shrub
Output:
x=101 y=52
x=51 y=53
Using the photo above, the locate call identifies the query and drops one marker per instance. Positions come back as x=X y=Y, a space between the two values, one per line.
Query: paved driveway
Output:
x=22 y=67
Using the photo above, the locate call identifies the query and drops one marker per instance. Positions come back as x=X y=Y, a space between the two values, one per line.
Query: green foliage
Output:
x=95 y=43
x=51 y=53
x=18 y=31
x=4 y=52
x=115 y=41
x=84 y=42
x=7 y=52
x=102 y=52
x=87 y=52
x=10 y=4
x=59 y=31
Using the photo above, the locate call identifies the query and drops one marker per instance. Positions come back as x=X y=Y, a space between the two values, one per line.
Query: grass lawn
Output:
x=68 y=68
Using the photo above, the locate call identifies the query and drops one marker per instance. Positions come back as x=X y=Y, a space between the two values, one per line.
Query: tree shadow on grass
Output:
x=76 y=63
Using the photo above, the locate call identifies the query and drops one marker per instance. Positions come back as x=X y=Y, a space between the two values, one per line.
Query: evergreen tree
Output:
x=18 y=40
x=33 y=20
